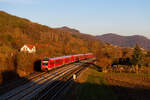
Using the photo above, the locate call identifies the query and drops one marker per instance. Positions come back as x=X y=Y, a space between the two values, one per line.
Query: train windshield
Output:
x=45 y=62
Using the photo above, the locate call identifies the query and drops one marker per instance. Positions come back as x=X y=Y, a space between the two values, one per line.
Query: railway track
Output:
x=19 y=82
x=37 y=84
x=56 y=91
x=22 y=81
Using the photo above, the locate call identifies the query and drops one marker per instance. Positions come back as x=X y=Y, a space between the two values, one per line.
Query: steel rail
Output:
x=45 y=85
x=23 y=80
x=53 y=88
x=13 y=91
x=63 y=85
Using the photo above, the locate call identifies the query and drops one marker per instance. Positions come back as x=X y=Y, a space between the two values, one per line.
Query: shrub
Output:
x=25 y=61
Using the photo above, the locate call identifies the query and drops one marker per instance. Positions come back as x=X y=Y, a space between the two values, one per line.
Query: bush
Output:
x=6 y=62
x=25 y=61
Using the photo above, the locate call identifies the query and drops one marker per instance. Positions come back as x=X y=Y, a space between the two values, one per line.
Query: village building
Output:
x=28 y=48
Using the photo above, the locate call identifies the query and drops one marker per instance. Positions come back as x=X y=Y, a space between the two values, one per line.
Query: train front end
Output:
x=44 y=64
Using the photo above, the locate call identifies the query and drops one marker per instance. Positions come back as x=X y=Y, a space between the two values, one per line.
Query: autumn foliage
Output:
x=49 y=42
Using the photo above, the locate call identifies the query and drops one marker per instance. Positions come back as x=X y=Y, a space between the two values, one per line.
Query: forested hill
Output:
x=77 y=33
x=49 y=42
x=15 y=32
x=126 y=41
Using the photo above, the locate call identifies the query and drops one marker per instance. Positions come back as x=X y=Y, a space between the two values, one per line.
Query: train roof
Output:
x=59 y=57
x=65 y=56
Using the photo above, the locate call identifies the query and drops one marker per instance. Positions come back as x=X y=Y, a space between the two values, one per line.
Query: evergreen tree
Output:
x=137 y=56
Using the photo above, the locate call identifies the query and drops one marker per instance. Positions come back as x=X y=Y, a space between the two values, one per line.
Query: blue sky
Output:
x=125 y=17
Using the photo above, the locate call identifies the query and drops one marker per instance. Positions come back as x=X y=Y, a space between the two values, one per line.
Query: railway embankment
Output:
x=90 y=85
x=95 y=85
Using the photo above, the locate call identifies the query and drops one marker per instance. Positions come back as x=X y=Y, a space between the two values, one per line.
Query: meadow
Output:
x=96 y=85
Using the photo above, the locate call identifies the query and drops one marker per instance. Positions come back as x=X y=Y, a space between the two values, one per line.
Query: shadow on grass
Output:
x=92 y=91
x=126 y=93
x=89 y=91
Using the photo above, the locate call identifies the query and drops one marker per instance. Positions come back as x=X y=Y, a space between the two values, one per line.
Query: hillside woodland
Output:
x=52 y=42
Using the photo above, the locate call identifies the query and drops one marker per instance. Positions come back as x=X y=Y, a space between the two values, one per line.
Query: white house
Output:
x=28 y=48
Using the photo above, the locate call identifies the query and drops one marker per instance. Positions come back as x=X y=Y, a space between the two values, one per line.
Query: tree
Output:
x=148 y=54
x=137 y=56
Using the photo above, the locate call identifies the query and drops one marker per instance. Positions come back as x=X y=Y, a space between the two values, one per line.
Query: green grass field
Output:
x=93 y=87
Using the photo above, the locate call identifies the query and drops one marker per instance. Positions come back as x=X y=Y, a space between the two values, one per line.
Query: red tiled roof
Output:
x=29 y=46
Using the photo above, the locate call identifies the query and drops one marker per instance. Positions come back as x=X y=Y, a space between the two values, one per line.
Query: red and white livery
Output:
x=50 y=63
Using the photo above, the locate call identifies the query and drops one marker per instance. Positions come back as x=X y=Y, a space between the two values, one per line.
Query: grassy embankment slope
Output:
x=95 y=85
x=91 y=85
x=129 y=86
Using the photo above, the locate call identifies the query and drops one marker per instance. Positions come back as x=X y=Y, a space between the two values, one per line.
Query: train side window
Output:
x=58 y=61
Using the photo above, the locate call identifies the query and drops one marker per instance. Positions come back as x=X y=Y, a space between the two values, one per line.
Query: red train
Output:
x=50 y=63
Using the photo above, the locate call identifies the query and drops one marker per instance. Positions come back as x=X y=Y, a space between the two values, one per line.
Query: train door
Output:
x=52 y=64
x=72 y=58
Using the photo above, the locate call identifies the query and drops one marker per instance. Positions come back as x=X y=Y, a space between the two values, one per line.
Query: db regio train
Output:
x=50 y=63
